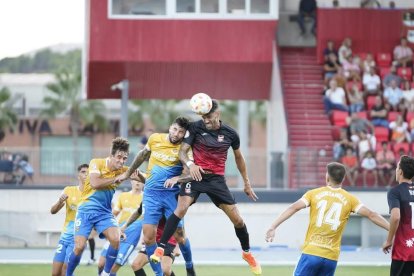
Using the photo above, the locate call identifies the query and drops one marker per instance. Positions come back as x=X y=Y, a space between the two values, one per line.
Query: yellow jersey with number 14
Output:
x=329 y=212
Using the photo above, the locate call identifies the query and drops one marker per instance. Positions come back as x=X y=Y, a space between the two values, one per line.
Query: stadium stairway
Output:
x=310 y=137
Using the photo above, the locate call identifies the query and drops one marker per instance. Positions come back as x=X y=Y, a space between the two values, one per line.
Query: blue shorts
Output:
x=157 y=204
x=84 y=223
x=63 y=251
x=310 y=265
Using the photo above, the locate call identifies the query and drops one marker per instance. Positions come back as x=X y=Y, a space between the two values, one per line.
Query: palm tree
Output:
x=8 y=117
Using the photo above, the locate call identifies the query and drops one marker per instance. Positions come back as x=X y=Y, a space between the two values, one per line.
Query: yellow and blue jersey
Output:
x=94 y=201
x=74 y=197
x=329 y=212
x=127 y=203
x=164 y=162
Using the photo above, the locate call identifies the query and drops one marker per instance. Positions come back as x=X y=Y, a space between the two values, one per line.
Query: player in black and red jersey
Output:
x=401 y=202
x=210 y=140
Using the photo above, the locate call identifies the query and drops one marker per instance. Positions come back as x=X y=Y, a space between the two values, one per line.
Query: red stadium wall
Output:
x=371 y=30
x=175 y=58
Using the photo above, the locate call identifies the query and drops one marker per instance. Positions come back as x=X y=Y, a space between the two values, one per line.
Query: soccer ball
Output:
x=201 y=103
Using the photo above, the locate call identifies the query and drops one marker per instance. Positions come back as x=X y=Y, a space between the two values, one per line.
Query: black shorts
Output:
x=401 y=268
x=168 y=251
x=213 y=185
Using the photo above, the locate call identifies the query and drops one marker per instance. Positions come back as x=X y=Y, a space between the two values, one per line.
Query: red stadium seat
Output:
x=405 y=73
x=384 y=71
x=404 y=146
x=370 y=102
x=409 y=117
x=392 y=116
x=349 y=85
x=362 y=56
x=381 y=133
x=338 y=118
x=384 y=59
x=362 y=115
x=412 y=84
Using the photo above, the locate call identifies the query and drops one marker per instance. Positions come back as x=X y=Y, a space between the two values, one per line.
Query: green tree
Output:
x=8 y=118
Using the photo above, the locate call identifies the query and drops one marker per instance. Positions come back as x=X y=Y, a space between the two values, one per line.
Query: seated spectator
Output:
x=386 y=164
x=399 y=130
x=356 y=99
x=352 y=69
x=357 y=124
x=379 y=113
x=334 y=98
x=370 y=4
x=365 y=142
x=368 y=63
x=403 y=55
x=307 y=9
x=345 y=50
x=408 y=95
x=330 y=49
x=369 y=165
x=372 y=83
x=393 y=96
x=340 y=146
x=391 y=76
x=350 y=162
x=331 y=67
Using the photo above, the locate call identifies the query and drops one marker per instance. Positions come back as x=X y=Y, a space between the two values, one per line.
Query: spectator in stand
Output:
x=334 y=98
x=392 y=75
x=350 y=161
x=357 y=124
x=399 y=130
x=340 y=78
x=393 y=97
x=368 y=63
x=352 y=69
x=372 y=83
x=386 y=164
x=335 y=3
x=403 y=55
x=392 y=5
x=370 y=4
x=331 y=67
x=369 y=165
x=379 y=113
x=408 y=95
x=345 y=50
x=330 y=49
x=341 y=145
x=307 y=9
x=365 y=142
x=356 y=99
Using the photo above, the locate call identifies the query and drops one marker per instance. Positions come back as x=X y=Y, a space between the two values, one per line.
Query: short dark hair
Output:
x=182 y=122
x=407 y=166
x=336 y=172
x=119 y=143
x=80 y=167
x=214 y=107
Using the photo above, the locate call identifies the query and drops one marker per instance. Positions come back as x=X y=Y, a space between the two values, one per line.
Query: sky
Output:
x=27 y=25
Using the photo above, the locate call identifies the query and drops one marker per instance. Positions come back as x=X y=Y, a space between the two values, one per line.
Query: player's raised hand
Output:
x=196 y=172
x=169 y=183
x=270 y=235
x=250 y=193
x=386 y=247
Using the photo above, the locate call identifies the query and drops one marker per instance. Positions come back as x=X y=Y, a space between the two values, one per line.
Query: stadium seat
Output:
x=384 y=71
x=370 y=102
x=384 y=59
x=405 y=73
x=362 y=115
x=409 y=117
x=338 y=118
x=404 y=146
x=392 y=116
x=362 y=56
x=381 y=134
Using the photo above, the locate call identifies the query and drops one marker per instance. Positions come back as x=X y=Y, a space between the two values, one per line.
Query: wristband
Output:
x=189 y=163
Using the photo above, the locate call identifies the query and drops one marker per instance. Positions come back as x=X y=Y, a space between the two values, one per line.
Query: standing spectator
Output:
x=393 y=96
x=371 y=82
x=368 y=63
x=399 y=130
x=403 y=55
x=369 y=165
x=408 y=95
x=356 y=99
x=331 y=67
x=379 y=113
x=385 y=164
x=330 y=49
x=401 y=232
x=334 y=98
x=307 y=9
x=350 y=161
x=365 y=142
x=391 y=76
x=345 y=50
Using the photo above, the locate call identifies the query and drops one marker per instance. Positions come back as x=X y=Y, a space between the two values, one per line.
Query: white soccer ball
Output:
x=201 y=103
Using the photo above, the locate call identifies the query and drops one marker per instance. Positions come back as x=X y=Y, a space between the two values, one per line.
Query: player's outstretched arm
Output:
x=98 y=182
x=286 y=214
x=58 y=204
x=374 y=217
x=138 y=160
x=195 y=171
x=241 y=166
x=184 y=178
x=394 y=222
x=138 y=176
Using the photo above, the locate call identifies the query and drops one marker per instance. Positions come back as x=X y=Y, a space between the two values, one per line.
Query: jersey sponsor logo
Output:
x=204 y=134
x=188 y=188
x=220 y=138
x=164 y=157
x=73 y=207
x=187 y=134
x=409 y=243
